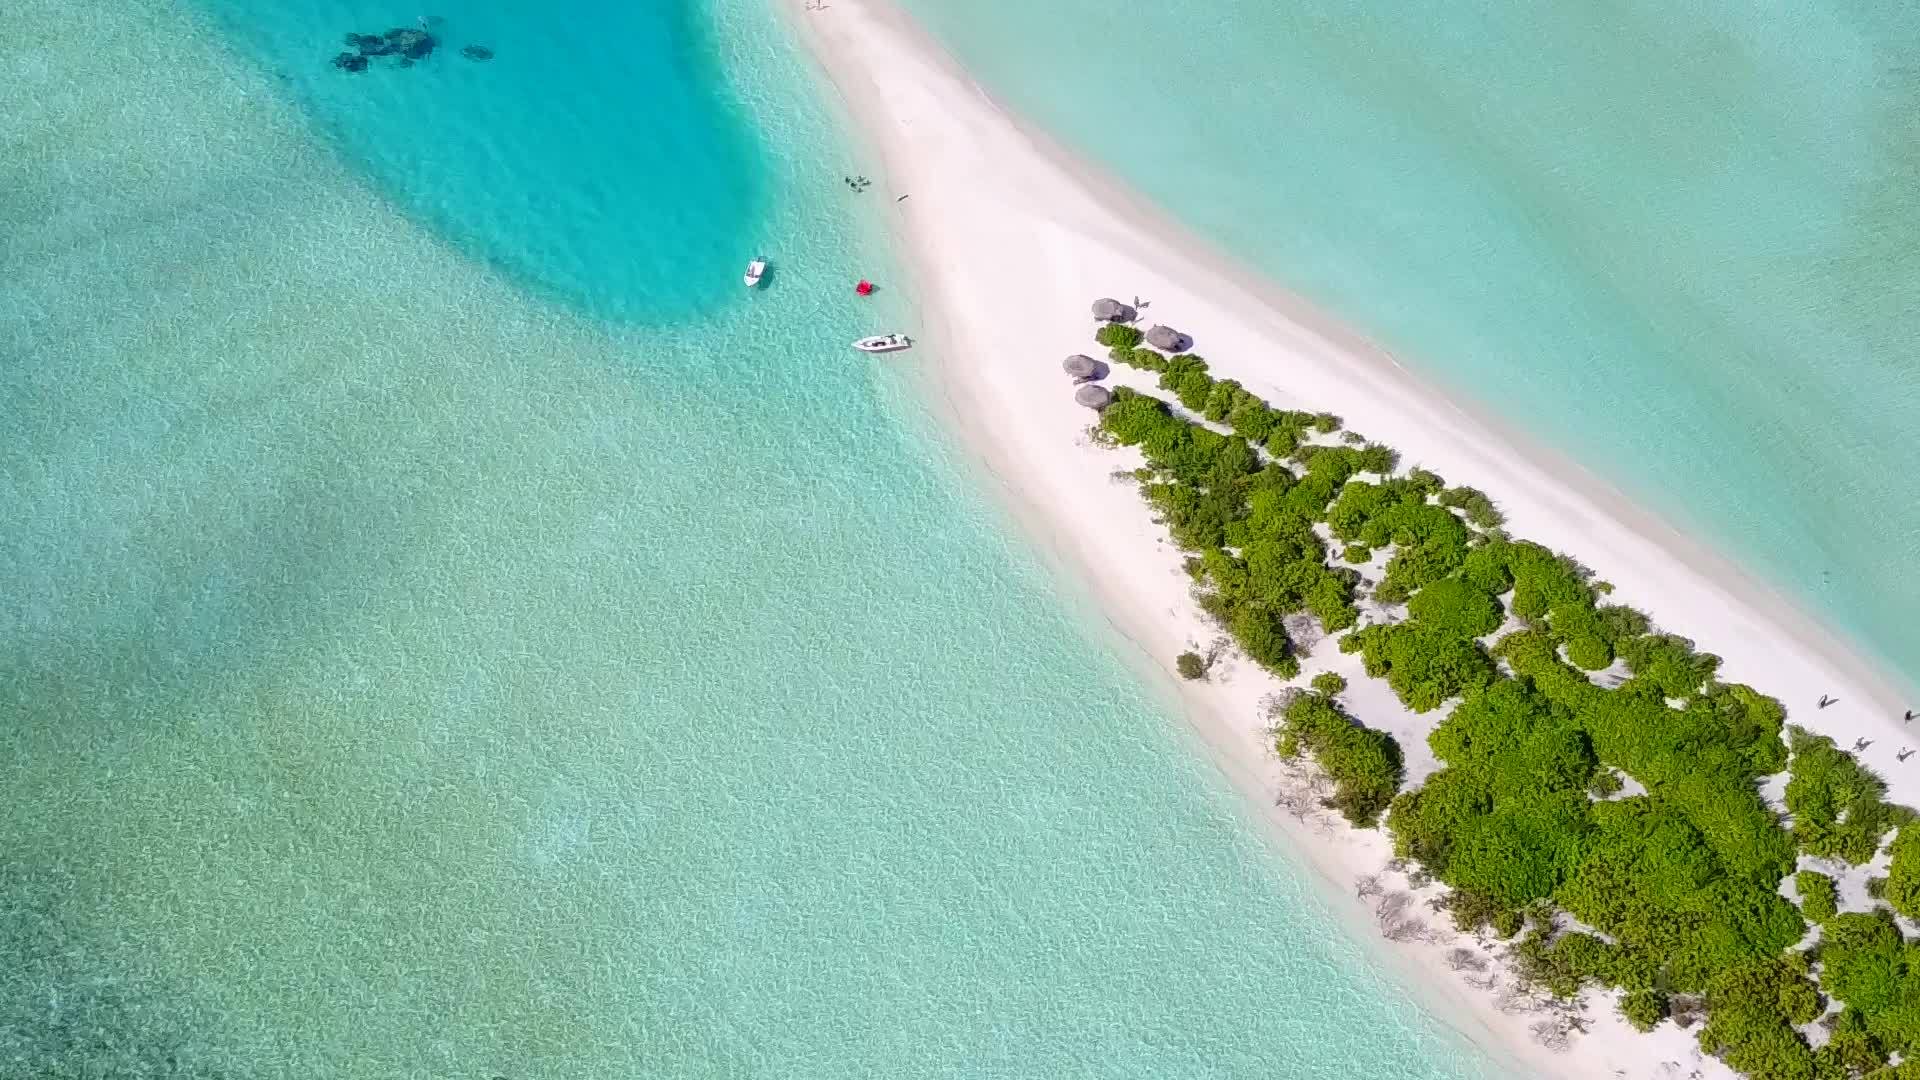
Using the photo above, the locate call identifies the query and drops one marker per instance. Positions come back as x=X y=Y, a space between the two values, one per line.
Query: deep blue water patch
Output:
x=597 y=157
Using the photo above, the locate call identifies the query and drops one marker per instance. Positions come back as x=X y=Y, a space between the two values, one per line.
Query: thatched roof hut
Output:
x=1167 y=339
x=1084 y=368
x=1093 y=397
x=1107 y=309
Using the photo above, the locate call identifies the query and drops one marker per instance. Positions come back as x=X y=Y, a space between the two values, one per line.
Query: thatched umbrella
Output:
x=1168 y=339
x=1084 y=368
x=1107 y=309
x=1093 y=397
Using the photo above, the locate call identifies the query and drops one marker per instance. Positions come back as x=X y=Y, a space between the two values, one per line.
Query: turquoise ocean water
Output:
x=1680 y=241
x=451 y=630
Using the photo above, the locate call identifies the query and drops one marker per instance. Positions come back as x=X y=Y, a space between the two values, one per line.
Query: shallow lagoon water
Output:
x=1678 y=241
x=429 y=661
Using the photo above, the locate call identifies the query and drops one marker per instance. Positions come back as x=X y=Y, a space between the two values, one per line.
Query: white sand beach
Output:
x=1010 y=239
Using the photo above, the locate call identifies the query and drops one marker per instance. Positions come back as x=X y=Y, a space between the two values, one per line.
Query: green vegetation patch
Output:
x=1903 y=880
x=1424 y=664
x=1458 y=607
x=1681 y=882
x=1478 y=508
x=1364 y=764
x=1752 y=1010
x=1119 y=338
x=1330 y=683
x=1819 y=895
x=1837 y=805
x=1248 y=521
x=1865 y=963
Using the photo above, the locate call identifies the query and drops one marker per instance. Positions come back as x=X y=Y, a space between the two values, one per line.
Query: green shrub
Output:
x=1364 y=764
x=1474 y=504
x=1903 y=878
x=1353 y=516
x=1432 y=545
x=1837 y=809
x=1605 y=784
x=1644 y=1009
x=1506 y=923
x=1589 y=653
x=1326 y=423
x=1252 y=420
x=1692 y=760
x=1144 y=358
x=1667 y=663
x=1851 y=1049
x=1191 y=387
x=1752 y=1008
x=1377 y=458
x=1486 y=567
x=1617 y=623
x=1264 y=639
x=1330 y=683
x=1650 y=880
x=1528 y=602
x=1331 y=465
x=1819 y=896
x=1471 y=911
x=1118 y=336
x=1747 y=722
x=1187 y=377
x=1357 y=553
x=1191 y=665
x=1425 y=482
x=1219 y=402
x=1185 y=363
x=1566 y=963
x=1865 y=963
x=1504 y=818
x=1424 y=665
x=1457 y=607
x=1133 y=418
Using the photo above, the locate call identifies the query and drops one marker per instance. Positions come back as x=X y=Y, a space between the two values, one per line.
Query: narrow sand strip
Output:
x=1010 y=239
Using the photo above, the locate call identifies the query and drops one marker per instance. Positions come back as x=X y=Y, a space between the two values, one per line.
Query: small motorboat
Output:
x=756 y=270
x=884 y=343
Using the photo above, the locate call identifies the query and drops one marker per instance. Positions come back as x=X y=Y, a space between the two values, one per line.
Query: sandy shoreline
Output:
x=1009 y=239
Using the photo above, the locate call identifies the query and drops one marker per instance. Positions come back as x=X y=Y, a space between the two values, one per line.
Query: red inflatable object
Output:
x=865 y=288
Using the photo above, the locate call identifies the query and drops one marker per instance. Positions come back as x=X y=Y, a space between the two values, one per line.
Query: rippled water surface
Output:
x=454 y=631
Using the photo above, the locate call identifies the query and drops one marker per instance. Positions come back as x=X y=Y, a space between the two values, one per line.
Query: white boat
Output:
x=755 y=271
x=884 y=343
